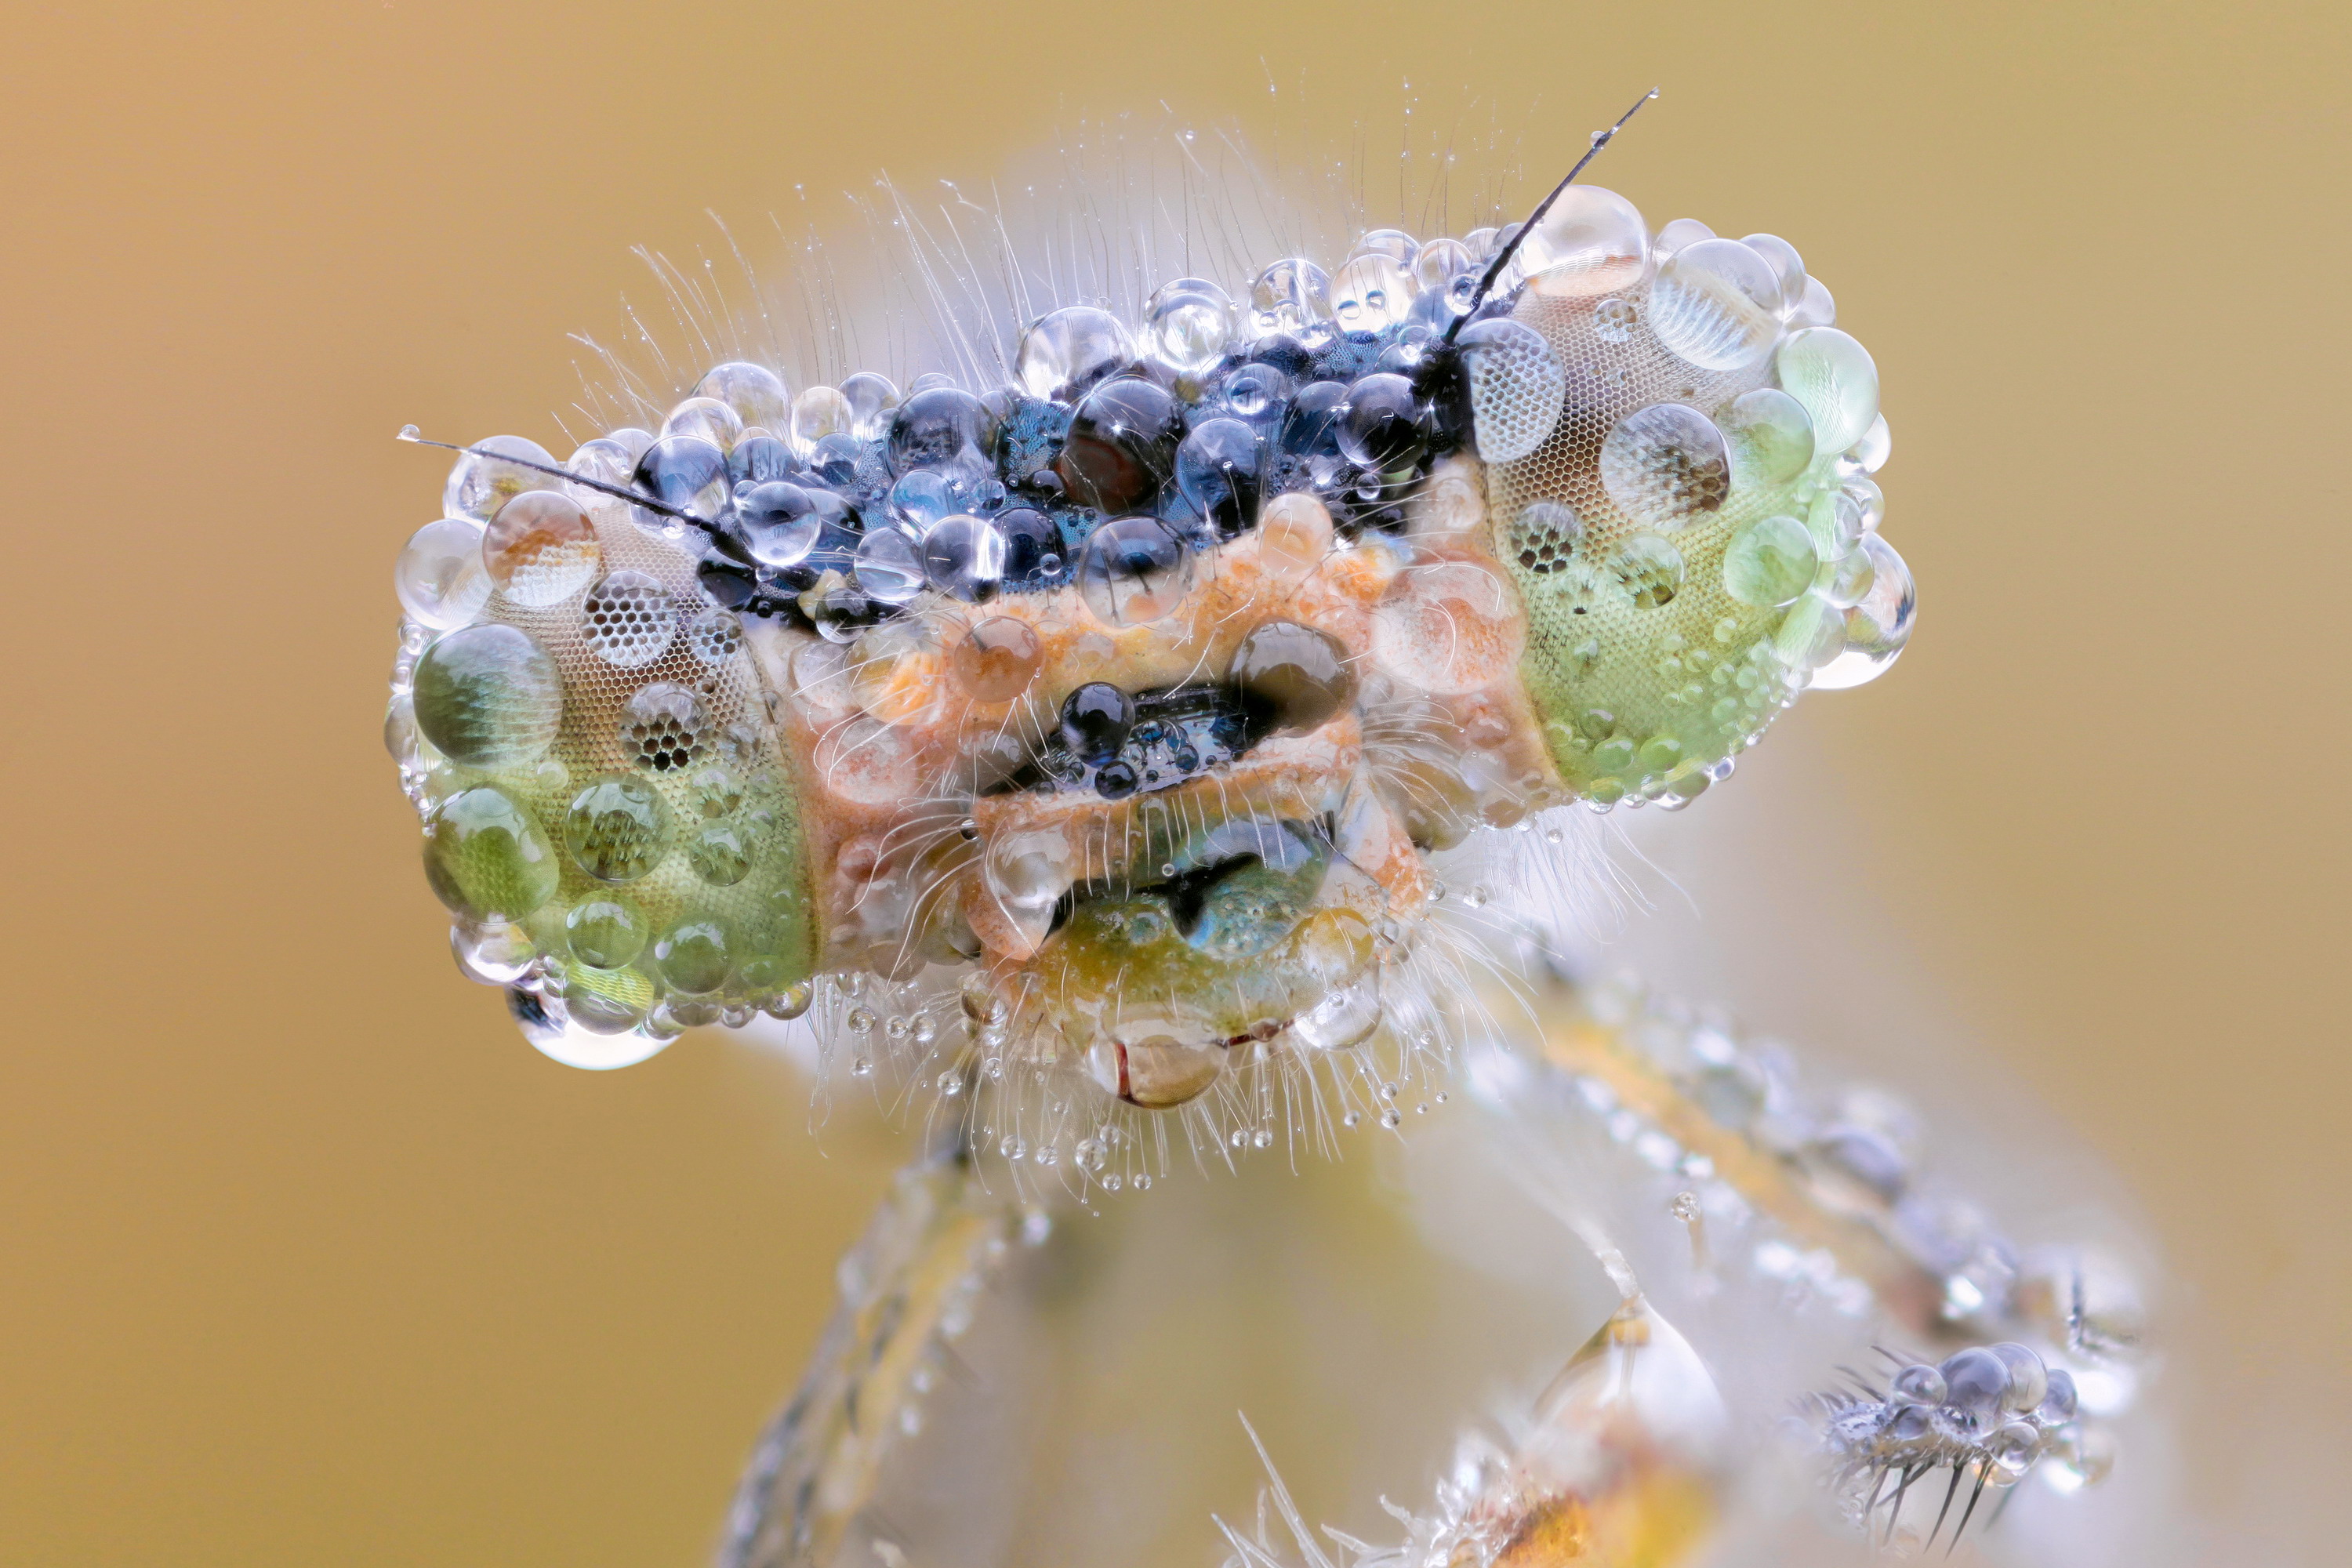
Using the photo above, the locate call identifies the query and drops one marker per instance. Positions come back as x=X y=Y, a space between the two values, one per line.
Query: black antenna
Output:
x=409 y=433
x=1503 y=258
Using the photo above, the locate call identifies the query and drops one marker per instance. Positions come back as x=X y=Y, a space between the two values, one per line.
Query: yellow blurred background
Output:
x=308 y=1260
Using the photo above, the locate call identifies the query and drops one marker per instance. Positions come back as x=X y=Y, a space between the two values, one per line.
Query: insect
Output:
x=1158 y=737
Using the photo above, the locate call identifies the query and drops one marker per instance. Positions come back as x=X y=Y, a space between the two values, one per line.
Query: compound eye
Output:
x=1517 y=388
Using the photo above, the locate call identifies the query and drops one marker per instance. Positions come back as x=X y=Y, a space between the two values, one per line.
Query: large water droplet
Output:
x=1066 y=351
x=540 y=549
x=1132 y=571
x=617 y=828
x=1770 y=562
x=1833 y=376
x=1591 y=241
x=1878 y=627
x=1717 y=305
x=486 y=856
x=1665 y=464
x=440 y=577
x=489 y=697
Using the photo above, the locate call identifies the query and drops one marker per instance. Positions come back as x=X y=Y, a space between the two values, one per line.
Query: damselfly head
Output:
x=1147 y=685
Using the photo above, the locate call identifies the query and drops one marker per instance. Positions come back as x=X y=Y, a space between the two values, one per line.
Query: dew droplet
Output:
x=489 y=697
x=1665 y=464
x=1133 y=571
x=440 y=577
x=996 y=659
x=540 y=548
x=1590 y=241
x=1717 y=305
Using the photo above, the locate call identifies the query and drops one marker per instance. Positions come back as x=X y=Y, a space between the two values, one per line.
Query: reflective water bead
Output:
x=1919 y=1384
x=1810 y=634
x=1096 y=720
x=755 y=393
x=1717 y=304
x=1186 y=325
x=1029 y=871
x=1786 y=264
x=922 y=497
x=687 y=473
x=1449 y=627
x=617 y=828
x=664 y=728
x=2059 y=1400
x=817 y=411
x=760 y=458
x=943 y=428
x=489 y=697
x=1771 y=435
x=604 y=933
x=478 y=485
x=1613 y=320
x=1868 y=502
x=1869 y=453
x=780 y=522
x=1371 y=294
x=1293 y=535
x=1438 y=263
x=607 y=1002
x=1385 y=428
x=494 y=952
x=707 y=418
x=601 y=458
x=1878 y=627
x=628 y=619
x=1815 y=307
x=888 y=567
x=1482 y=244
x=1290 y=676
x=714 y=635
x=871 y=399
x=1591 y=241
x=1665 y=464
x=716 y=790
x=1517 y=388
x=1846 y=583
x=1221 y=469
x=1836 y=519
x=996 y=659
x=486 y=856
x=540 y=548
x=1683 y=231
x=693 y=956
x=1834 y=377
x=721 y=854
x=1064 y=352
x=1770 y=562
x=1649 y=569
x=1544 y=536
x=1032 y=546
x=1121 y=446
x=1393 y=243
x=440 y=577
x=1158 y=1072
x=1132 y=571
x=2029 y=1380
x=1975 y=1379
x=1289 y=295
x=963 y=557
x=1256 y=392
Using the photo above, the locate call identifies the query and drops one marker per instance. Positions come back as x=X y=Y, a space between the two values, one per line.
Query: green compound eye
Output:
x=1693 y=540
